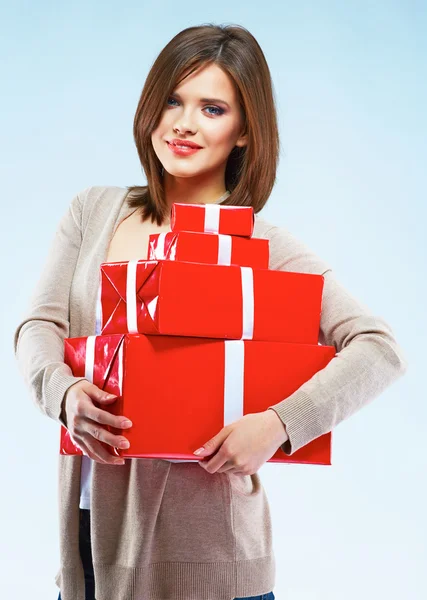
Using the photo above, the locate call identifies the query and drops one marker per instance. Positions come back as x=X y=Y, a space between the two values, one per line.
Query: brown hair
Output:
x=251 y=170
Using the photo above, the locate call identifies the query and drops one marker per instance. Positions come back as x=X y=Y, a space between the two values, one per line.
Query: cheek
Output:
x=161 y=128
x=167 y=120
x=157 y=136
x=155 y=142
x=221 y=137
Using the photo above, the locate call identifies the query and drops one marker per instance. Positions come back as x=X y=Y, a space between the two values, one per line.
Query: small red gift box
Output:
x=213 y=218
x=209 y=248
x=227 y=302
x=179 y=392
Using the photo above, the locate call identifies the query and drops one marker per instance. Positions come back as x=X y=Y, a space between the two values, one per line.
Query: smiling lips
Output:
x=183 y=147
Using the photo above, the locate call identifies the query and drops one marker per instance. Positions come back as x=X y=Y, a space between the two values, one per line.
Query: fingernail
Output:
x=199 y=451
x=124 y=444
x=109 y=396
x=119 y=462
x=127 y=423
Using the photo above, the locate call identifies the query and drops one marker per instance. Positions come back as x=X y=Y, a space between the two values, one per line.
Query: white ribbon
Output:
x=247 y=303
x=234 y=377
x=98 y=322
x=90 y=361
x=224 y=249
x=212 y=218
x=120 y=369
x=89 y=367
x=159 y=252
x=90 y=357
x=234 y=380
x=131 y=315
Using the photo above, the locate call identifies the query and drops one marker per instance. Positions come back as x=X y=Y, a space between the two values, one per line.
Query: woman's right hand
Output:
x=84 y=422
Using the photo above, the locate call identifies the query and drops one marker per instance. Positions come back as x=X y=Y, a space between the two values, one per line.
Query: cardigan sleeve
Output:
x=39 y=337
x=368 y=357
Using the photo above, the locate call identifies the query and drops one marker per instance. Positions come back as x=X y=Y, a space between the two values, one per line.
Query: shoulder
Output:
x=99 y=201
x=287 y=252
x=98 y=195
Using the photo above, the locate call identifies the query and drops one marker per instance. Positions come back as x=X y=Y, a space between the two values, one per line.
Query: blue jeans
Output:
x=86 y=556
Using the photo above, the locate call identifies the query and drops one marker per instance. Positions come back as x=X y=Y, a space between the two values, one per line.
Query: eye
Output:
x=220 y=110
x=216 y=110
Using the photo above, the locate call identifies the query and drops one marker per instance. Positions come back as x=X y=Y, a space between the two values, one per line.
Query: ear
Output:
x=242 y=140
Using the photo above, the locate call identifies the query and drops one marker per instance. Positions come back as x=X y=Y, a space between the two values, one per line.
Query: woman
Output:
x=154 y=528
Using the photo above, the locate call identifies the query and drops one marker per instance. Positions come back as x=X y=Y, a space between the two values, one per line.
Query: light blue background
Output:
x=350 y=81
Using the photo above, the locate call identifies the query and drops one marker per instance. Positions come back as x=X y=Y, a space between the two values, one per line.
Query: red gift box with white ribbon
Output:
x=179 y=392
x=213 y=218
x=227 y=302
x=209 y=248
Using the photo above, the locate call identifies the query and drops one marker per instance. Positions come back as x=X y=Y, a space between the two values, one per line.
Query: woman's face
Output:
x=203 y=109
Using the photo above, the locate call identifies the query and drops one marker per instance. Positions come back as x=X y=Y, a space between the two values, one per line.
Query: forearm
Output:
x=356 y=376
x=39 y=338
x=368 y=360
x=39 y=352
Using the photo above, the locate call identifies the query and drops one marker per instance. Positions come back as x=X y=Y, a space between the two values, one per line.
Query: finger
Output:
x=95 y=393
x=104 y=417
x=94 y=429
x=228 y=468
x=96 y=452
x=105 y=455
x=215 y=463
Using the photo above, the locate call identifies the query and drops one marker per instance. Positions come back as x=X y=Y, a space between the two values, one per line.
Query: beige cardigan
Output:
x=164 y=530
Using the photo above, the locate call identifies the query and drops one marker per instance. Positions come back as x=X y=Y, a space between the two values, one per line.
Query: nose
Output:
x=184 y=124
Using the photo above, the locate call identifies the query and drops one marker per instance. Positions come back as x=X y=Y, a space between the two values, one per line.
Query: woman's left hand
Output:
x=244 y=446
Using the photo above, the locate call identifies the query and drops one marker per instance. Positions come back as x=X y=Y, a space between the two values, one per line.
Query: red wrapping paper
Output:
x=231 y=220
x=173 y=389
x=206 y=248
x=190 y=299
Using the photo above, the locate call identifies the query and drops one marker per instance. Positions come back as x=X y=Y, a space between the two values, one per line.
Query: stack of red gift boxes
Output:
x=200 y=334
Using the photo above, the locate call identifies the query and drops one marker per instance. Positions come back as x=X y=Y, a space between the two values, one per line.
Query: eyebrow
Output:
x=209 y=100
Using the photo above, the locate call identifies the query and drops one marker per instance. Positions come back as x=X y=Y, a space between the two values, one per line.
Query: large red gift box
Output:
x=213 y=218
x=179 y=392
x=209 y=248
x=227 y=302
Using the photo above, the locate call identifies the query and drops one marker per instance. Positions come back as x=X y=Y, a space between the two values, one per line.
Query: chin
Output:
x=182 y=172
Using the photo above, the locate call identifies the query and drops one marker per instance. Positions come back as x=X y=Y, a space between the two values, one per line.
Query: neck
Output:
x=187 y=190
